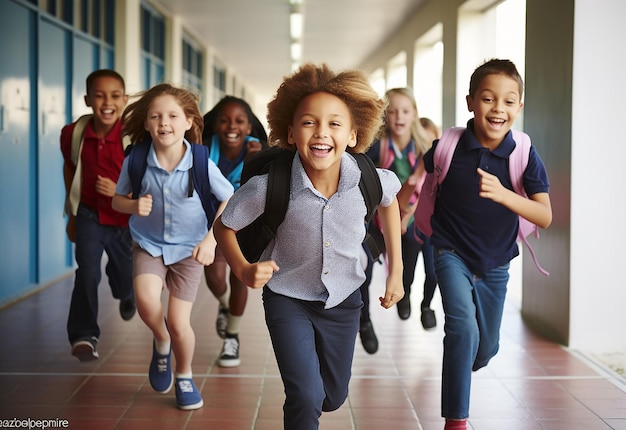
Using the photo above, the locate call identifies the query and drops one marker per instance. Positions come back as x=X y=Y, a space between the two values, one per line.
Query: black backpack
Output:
x=198 y=174
x=276 y=162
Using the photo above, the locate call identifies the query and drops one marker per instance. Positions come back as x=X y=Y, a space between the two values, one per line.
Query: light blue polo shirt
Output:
x=177 y=223
x=318 y=245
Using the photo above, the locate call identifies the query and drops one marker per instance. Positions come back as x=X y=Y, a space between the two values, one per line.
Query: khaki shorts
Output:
x=181 y=279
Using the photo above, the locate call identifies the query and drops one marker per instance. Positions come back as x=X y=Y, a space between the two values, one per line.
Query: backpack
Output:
x=137 y=155
x=518 y=161
x=73 y=195
x=276 y=162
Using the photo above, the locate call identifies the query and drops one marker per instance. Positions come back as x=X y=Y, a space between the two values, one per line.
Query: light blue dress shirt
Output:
x=177 y=223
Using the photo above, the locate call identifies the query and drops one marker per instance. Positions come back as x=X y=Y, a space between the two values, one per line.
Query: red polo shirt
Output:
x=102 y=157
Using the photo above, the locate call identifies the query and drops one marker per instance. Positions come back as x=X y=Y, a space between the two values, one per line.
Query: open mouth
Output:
x=320 y=149
x=496 y=122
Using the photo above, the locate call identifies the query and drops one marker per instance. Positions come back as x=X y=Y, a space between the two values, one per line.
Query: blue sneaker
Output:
x=187 y=395
x=160 y=372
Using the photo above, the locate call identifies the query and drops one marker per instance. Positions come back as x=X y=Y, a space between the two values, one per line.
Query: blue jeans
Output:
x=314 y=348
x=92 y=239
x=473 y=307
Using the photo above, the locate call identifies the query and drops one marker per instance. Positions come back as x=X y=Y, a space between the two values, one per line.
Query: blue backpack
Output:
x=137 y=155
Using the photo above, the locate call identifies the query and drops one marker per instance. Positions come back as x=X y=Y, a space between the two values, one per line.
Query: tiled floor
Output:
x=531 y=384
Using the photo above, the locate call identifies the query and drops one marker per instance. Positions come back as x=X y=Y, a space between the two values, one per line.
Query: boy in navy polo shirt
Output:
x=475 y=225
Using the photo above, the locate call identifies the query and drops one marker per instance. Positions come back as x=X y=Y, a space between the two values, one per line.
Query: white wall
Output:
x=598 y=232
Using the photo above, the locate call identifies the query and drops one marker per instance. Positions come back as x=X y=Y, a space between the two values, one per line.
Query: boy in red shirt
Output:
x=97 y=227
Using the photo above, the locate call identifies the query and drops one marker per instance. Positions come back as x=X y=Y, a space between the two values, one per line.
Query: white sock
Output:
x=184 y=375
x=163 y=348
x=233 y=324
x=224 y=299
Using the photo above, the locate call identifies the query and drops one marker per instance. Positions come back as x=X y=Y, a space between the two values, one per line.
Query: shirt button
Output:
x=326 y=272
x=327 y=243
x=326 y=207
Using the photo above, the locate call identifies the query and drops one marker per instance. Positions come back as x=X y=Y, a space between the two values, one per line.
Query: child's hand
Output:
x=393 y=292
x=144 y=205
x=258 y=274
x=105 y=186
x=490 y=187
x=252 y=148
x=204 y=252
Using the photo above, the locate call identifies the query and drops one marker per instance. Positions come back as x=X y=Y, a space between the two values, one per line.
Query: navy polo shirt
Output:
x=482 y=232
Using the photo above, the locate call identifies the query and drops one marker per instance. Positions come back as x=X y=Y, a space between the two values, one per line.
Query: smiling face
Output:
x=166 y=121
x=232 y=126
x=496 y=104
x=400 y=116
x=107 y=98
x=321 y=131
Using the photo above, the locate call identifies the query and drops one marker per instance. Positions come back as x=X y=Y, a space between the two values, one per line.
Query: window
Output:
x=192 y=64
x=153 y=46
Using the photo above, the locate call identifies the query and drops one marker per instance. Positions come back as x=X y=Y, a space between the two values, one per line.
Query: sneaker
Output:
x=368 y=337
x=127 y=309
x=187 y=395
x=160 y=372
x=85 y=349
x=428 y=318
x=404 y=307
x=222 y=321
x=230 y=352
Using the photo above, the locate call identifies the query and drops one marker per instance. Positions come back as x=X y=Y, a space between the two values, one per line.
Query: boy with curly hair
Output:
x=311 y=272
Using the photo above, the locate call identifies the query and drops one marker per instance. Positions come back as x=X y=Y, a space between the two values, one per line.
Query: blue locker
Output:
x=16 y=154
x=52 y=97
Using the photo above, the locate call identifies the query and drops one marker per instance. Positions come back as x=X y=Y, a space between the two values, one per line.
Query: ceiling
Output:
x=252 y=37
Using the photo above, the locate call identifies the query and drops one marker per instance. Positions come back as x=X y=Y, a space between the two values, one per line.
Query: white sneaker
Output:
x=230 y=352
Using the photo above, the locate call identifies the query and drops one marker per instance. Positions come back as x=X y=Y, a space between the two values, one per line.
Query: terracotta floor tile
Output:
x=531 y=384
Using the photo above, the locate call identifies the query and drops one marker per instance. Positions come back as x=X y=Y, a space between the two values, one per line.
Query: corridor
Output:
x=532 y=384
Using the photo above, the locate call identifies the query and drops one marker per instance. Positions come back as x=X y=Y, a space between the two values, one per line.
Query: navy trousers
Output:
x=92 y=239
x=314 y=348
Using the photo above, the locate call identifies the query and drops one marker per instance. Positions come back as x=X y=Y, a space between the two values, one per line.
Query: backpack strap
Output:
x=73 y=195
x=137 y=163
x=444 y=152
x=442 y=157
x=369 y=184
x=201 y=182
x=278 y=189
x=518 y=161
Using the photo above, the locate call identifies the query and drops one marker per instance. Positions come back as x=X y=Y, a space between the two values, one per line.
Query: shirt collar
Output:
x=504 y=149
x=111 y=137
x=185 y=163
x=349 y=174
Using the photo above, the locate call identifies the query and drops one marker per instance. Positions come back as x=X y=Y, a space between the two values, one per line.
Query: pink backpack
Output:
x=518 y=161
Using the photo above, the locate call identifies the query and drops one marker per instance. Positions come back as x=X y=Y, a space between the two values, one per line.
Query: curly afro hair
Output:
x=351 y=86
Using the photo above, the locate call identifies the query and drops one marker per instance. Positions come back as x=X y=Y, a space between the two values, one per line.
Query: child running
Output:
x=475 y=225
x=311 y=271
x=169 y=229
x=230 y=145
x=93 y=224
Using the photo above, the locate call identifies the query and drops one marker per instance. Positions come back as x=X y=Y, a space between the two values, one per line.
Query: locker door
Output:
x=53 y=95
x=16 y=174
